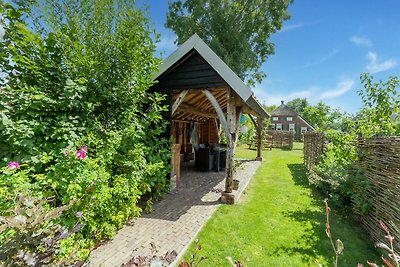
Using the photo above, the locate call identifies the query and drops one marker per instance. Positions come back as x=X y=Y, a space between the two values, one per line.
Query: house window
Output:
x=274 y=118
x=289 y=118
x=279 y=126
x=303 y=129
x=292 y=127
x=273 y=126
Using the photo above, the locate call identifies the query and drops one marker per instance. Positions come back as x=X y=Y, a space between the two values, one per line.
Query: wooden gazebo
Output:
x=201 y=89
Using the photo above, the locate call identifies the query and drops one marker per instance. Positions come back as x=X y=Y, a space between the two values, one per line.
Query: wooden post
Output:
x=259 y=138
x=227 y=196
x=231 y=120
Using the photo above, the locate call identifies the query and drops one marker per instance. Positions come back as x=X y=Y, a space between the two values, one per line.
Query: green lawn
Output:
x=280 y=221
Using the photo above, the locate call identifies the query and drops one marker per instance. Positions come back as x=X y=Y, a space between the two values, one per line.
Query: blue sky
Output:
x=322 y=50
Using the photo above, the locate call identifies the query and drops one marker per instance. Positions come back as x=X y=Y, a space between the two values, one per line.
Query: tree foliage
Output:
x=298 y=104
x=76 y=114
x=380 y=113
x=322 y=116
x=238 y=31
x=378 y=117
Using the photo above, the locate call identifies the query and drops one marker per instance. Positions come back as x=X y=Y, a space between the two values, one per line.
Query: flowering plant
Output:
x=13 y=165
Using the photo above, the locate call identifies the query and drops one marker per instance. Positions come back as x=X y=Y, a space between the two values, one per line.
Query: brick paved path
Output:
x=175 y=221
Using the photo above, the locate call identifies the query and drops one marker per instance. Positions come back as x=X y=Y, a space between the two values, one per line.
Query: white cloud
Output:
x=313 y=93
x=291 y=27
x=360 y=41
x=375 y=66
x=341 y=88
x=322 y=59
x=266 y=98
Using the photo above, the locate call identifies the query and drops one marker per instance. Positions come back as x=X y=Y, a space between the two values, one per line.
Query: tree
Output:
x=270 y=108
x=237 y=31
x=322 y=116
x=379 y=114
x=76 y=74
x=298 y=104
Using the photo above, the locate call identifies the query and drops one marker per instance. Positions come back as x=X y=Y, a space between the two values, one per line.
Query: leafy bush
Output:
x=75 y=114
x=337 y=173
x=334 y=170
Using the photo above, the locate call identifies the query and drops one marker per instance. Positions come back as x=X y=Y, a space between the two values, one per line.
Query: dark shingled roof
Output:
x=283 y=110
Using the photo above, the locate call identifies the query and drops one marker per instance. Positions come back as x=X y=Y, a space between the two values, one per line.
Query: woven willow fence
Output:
x=379 y=162
x=282 y=139
x=314 y=144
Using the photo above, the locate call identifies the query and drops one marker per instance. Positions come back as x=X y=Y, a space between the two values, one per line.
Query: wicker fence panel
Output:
x=281 y=139
x=379 y=162
x=314 y=144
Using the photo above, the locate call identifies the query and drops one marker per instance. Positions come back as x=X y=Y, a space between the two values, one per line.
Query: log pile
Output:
x=379 y=163
x=280 y=139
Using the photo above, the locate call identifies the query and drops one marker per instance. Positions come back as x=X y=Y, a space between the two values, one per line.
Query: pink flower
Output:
x=66 y=153
x=80 y=154
x=84 y=149
x=13 y=165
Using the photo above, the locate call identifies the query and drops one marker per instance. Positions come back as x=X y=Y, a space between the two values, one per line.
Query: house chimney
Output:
x=282 y=102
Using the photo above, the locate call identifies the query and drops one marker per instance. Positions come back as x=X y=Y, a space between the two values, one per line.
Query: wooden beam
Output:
x=192 y=109
x=179 y=101
x=220 y=113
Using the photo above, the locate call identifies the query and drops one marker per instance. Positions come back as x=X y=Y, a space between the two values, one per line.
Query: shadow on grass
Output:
x=314 y=242
x=299 y=174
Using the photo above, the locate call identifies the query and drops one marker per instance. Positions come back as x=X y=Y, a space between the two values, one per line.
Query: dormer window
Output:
x=289 y=118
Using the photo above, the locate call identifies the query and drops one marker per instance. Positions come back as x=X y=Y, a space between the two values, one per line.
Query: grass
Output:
x=280 y=221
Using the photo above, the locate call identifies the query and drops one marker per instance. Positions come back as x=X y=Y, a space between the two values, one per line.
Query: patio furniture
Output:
x=204 y=158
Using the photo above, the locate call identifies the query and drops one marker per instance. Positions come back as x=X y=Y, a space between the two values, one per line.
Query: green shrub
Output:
x=75 y=112
x=334 y=170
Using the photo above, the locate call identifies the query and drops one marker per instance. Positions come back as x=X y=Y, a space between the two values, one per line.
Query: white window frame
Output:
x=303 y=129
x=275 y=118
x=279 y=126
x=292 y=127
x=289 y=118
x=273 y=126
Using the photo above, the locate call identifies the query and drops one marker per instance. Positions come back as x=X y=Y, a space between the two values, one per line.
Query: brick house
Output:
x=283 y=118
